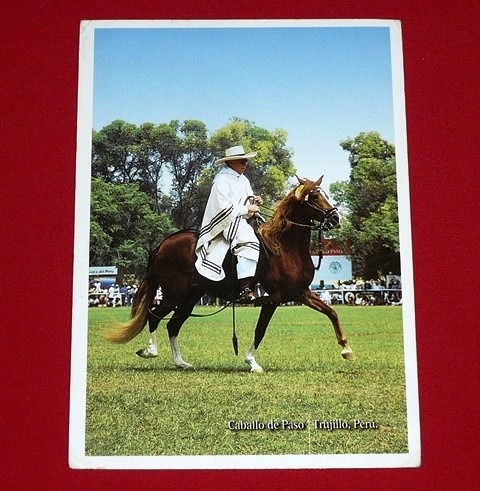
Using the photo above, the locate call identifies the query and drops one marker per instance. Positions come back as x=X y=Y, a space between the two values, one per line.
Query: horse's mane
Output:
x=272 y=231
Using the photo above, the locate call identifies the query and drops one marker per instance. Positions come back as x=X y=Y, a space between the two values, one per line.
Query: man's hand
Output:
x=258 y=200
x=253 y=209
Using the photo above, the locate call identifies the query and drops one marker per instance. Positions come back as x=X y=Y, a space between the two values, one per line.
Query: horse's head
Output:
x=315 y=203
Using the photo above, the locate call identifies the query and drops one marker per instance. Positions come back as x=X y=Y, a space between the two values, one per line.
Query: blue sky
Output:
x=321 y=84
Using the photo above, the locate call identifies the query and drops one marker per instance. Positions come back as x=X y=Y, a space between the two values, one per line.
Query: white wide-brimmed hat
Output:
x=236 y=153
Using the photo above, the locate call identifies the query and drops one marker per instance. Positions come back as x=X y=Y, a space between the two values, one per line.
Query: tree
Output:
x=124 y=228
x=115 y=152
x=368 y=145
x=190 y=158
x=370 y=202
x=123 y=153
x=157 y=146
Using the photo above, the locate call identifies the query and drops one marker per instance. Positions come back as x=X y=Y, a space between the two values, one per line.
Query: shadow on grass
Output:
x=172 y=369
x=152 y=368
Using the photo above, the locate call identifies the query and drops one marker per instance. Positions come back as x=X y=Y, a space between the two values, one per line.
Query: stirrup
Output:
x=246 y=296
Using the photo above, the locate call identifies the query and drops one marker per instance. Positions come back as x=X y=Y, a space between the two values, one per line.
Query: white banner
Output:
x=333 y=268
x=102 y=270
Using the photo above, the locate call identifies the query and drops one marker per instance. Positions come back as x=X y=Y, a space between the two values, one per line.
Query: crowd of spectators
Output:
x=110 y=296
x=361 y=292
x=348 y=293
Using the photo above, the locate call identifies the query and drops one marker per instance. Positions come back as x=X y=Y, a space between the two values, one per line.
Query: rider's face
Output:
x=238 y=165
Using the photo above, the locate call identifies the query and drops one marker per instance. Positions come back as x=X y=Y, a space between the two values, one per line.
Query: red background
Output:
x=39 y=69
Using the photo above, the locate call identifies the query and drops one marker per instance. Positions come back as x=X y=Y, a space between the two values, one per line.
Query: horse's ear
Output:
x=319 y=181
x=299 y=191
x=301 y=180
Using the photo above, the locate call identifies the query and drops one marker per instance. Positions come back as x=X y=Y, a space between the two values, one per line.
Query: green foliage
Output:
x=192 y=156
x=114 y=152
x=123 y=153
x=123 y=225
x=368 y=146
x=157 y=146
x=369 y=199
x=147 y=407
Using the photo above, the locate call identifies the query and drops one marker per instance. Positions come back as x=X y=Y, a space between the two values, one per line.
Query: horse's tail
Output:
x=124 y=332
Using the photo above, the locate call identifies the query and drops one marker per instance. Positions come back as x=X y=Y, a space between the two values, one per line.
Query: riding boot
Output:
x=247 y=294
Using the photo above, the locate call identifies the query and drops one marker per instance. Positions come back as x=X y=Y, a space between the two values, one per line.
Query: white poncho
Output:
x=224 y=225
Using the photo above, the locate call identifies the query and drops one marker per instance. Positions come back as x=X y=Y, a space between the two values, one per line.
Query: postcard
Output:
x=243 y=281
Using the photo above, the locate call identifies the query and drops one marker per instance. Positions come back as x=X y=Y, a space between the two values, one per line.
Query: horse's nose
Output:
x=334 y=220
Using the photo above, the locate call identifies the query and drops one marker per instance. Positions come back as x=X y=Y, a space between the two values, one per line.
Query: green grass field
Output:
x=147 y=407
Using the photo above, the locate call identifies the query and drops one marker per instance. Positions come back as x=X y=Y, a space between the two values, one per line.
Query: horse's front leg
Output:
x=312 y=301
x=266 y=314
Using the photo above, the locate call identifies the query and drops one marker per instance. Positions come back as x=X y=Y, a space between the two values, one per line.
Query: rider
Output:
x=224 y=224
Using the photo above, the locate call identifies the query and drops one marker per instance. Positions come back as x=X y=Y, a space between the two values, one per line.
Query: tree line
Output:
x=151 y=180
x=369 y=198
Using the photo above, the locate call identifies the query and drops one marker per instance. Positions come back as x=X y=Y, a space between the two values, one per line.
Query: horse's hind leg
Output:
x=312 y=301
x=181 y=314
x=265 y=316
x=155 y=315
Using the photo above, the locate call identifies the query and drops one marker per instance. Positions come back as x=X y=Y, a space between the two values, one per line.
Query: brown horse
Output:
x=285 y=273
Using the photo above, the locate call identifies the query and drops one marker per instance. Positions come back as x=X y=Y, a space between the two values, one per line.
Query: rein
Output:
x=232 y=303
x=319 y=229
x=312 y=226
x=150 y=311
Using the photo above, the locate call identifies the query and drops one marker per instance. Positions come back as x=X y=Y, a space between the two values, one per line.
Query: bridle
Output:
x=322 y=221
x=325 y=215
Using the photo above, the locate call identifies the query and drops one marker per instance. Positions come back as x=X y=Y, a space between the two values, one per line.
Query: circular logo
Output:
x=335 y=267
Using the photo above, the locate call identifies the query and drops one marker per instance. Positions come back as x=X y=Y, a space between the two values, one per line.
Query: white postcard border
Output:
x=77 y=457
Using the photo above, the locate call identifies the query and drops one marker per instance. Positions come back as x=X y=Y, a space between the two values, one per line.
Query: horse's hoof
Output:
x=348 y=355
x=254 y=367
x=185 y=366
x=144 y=353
